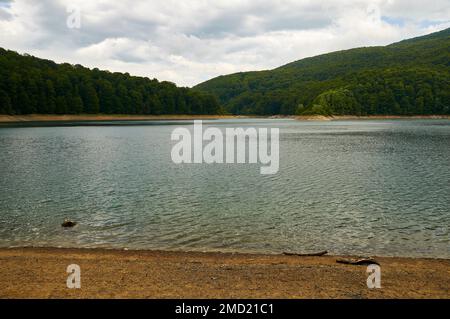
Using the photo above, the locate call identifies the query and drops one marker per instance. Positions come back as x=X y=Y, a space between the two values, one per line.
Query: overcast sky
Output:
x=190 y=41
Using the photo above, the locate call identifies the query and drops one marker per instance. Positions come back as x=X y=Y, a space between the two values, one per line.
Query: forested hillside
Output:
x=32 y=85
x=405 y=78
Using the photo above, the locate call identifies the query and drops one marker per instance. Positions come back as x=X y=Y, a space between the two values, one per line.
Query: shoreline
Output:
x=105 y=117
x=370 y=117
x=109 y=273
x=51 y=118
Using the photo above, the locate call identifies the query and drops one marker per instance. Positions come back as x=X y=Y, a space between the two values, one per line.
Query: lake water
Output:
x=349 y=187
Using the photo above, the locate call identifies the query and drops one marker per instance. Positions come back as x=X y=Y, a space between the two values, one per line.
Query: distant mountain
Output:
x=404 y=78
x=32 y=85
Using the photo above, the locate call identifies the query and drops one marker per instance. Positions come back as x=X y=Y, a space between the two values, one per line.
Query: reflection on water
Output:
x=350 y=187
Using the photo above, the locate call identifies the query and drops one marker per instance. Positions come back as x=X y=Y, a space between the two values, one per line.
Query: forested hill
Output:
x=32 y=85
x=404 y=78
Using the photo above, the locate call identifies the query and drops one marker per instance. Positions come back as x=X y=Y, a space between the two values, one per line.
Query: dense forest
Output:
x=32 y=85
x=406 y=78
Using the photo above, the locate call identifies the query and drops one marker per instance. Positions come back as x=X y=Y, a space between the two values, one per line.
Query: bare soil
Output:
x=41 y=273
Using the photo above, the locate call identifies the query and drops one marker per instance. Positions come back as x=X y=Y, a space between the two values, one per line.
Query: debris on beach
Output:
x=361 y=261
x=68 y=223
x=320 y=253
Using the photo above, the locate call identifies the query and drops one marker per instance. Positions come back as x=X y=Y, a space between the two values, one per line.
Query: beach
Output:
x=104 y=117
x=368 y=117
x=41 y=273
x=30 y=118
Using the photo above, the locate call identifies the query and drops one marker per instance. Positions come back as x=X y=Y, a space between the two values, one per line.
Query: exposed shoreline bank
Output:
x=104 y=117
x=123 y=117
x=41 y=273
x=370 y=117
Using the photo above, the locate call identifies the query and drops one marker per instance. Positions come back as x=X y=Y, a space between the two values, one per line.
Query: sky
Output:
x=190 y=41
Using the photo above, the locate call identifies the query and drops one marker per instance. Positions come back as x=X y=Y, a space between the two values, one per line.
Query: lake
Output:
x=349 y=187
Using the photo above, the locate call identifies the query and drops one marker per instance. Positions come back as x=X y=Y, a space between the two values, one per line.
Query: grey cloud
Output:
x=191 y=41
x=268 y=18
x=4 y=5
x=5 y=15
x=52 y=22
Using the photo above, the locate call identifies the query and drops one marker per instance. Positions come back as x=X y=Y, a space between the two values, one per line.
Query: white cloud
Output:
x=188 y=42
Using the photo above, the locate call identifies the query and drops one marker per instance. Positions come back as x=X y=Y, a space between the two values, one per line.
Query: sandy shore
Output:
x=41 y=273
x=368 y=117
x=118 y=117
x=104 y=117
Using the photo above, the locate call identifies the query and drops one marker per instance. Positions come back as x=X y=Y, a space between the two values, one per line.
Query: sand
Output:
x=104 y=117
x=41 y=273
x=369 y=117
x=123 y=117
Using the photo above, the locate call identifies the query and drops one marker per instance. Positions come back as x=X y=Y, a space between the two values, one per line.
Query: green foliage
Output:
x=337 y=101
x=405 y=78
x=32 y=85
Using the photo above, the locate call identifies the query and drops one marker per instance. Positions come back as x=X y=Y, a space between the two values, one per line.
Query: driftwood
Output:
x=320 y=253
x=361 y=261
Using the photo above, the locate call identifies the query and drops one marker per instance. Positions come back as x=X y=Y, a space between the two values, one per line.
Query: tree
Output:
x=5 y=103
x=50 y=105
x=90 y=99
x=29 y=85
x=61 y=105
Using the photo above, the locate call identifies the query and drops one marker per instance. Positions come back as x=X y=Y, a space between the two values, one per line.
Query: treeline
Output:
x=32 y=85
x=411 y=77
x=393 y=91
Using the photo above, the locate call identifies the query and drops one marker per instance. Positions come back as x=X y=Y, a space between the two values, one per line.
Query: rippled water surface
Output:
x=349 y=187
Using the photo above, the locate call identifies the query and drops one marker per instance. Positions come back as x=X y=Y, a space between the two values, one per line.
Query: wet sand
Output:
x=41 y=273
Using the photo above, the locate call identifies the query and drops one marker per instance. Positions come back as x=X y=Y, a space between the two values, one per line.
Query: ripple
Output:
x=369 y=187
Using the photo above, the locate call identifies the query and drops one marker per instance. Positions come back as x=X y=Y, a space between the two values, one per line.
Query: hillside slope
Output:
x=405 y=78
x=32 y=85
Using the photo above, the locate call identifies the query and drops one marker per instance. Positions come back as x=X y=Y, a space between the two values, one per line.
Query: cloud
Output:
x=190 y=41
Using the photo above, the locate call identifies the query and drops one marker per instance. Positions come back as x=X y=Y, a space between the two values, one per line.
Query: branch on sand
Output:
x=361 y=261
x=320 y=253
